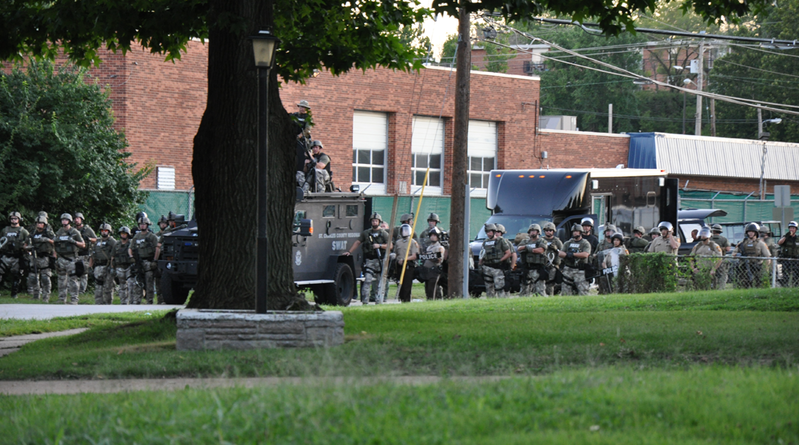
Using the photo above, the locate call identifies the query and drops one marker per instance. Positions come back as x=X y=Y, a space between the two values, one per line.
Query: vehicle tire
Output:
x=341 y=292
x=171 y=294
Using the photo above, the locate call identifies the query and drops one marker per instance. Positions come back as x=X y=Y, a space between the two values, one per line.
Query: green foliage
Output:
x=597 y=406
x=648 y=272
x=662 y=111
x=59 y=151
x=764 y=74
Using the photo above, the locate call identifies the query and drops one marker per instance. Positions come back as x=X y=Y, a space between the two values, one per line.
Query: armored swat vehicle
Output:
x=325 y=226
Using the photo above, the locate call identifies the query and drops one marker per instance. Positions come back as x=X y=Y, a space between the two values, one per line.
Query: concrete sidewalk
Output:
x=48 y=311
x=12 y=344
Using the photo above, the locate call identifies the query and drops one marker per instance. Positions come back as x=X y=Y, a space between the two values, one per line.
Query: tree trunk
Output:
x=459 y=157
x=225 y=171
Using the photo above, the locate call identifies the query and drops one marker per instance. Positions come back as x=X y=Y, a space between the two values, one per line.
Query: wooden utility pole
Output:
x=699 y=81
x=459 y=155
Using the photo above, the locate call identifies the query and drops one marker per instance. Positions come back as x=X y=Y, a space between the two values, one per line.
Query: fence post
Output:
x=774 y=273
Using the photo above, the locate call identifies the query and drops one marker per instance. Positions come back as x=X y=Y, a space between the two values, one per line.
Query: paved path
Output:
x=12 y=344
x=24 y=387
x=48 y=311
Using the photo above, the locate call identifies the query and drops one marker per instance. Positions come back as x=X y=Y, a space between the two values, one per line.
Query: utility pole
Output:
x=699 y=89
x=713 y=117
x=610 y=118
x=460 y=153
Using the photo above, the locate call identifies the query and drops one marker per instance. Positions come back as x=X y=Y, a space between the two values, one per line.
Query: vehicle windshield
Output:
x=513 y=224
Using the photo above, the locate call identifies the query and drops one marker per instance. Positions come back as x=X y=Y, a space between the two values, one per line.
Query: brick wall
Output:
x=737 y=185
x=498 y=98
x=580 y=149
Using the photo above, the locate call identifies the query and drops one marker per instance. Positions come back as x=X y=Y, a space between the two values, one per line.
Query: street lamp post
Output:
x=263 y=45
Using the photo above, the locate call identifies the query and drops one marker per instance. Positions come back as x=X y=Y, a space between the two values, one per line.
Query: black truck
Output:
x=325 y=226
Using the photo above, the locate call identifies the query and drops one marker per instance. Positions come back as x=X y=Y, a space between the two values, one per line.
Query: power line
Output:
x=756 y=69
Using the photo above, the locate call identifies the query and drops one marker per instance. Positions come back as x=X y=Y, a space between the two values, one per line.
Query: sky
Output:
x=439 y=29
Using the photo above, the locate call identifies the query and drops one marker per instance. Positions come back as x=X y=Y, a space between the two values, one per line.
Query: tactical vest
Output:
x=86 y=232
x=121 y=256
x=636 y=244
x=63 y=246
x=379 y=237
x=493 y=251
x=790 y=247
x=145 y=243
x=40 y=243
x=749 y=247
x=15 y=239
x=574 y=246
x=104 y=251
x=554 y=246
x=536 y=258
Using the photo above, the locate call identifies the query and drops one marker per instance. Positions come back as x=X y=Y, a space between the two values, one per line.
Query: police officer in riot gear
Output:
x=494 y=255
x=13 y=238
x=374 y=243
x=89 y=237
x=534 y=259
x=637 y=243
x=588 y=233
x=432 y=221
x=101 y=264
x=42 y=260
x=575 y=255
x=67 y=244
x=123 y=263
x=434 y=257
x=666 y=242
x=749 y=272
x=144 y=250
x=406 y=218
x=401 y=247
x=789 y=252
x=554 y=246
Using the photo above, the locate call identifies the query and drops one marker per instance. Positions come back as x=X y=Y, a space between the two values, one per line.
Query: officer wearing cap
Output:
x=749 y=272
x=145 y=246
x=637 y=243
x=789 y=252
x=495 y=253
x=374 y=243
x=122 y=264
x=432 y=222
x=67 y=244
x=14 y=239
x=533 y=253
x=89 y=237
x=706 y=261
x=101 y=263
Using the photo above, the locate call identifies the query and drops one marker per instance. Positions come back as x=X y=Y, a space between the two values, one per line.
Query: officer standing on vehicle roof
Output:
x=67 y=243
x=374 y=243
x=535 y=261
x=575 y=255
x=16 y=238
x=101 y=263
x=666 y=242
x=89 y=237
x=319 y=175
x=424 y=238
x=554 y=246
x=495 y=253
x=637 y=243
x=789 y=251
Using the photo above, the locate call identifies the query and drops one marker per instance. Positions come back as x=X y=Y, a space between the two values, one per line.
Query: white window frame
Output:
x=165 y=177
x=428 y=141
x=483 y=143
x=370 y=134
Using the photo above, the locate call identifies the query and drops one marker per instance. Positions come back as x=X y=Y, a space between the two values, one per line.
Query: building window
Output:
x=369 y=148
x=427 y=147
x=482 y=154
x=166 y=178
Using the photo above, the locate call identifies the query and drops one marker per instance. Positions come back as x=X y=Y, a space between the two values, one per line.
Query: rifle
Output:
x=36 y=267
x=138 y=269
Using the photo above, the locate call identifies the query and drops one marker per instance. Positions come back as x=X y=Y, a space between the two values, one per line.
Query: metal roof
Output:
x=709 y=156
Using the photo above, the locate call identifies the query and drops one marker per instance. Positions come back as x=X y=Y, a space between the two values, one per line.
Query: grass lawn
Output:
x=718 y=367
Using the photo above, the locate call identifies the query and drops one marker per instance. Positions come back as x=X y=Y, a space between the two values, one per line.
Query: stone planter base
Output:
x=216 y=329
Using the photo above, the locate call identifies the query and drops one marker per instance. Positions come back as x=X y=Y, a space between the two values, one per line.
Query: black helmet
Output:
x=618 y=236
x=171 y=216
x=434 y=217
x=435 y=231
x=140 y=214
x=752 y=227
x=376 y=216
x=162 y=219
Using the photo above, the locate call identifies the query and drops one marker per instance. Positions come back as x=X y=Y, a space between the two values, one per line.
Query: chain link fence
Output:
x=161 y=202
x=644 y=273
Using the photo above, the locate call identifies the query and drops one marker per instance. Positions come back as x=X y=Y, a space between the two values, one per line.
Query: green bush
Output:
x=641 y=273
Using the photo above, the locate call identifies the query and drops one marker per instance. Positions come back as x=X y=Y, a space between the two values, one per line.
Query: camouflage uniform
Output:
x=40 y=286
x=67 y=252
x=554 y=245
x=372 y=264
x=12 y=253
x=122 y=265
x=721 y=276
x=636 y=244
x=574 y=268
x=789 y=254
x=705 y=264
x=85 y=254
x=535 y=265
x=145 y=245
x=103 y=271
x=493 y=274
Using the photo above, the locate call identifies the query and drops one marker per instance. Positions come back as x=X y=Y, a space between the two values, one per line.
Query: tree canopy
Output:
x=59 y=151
